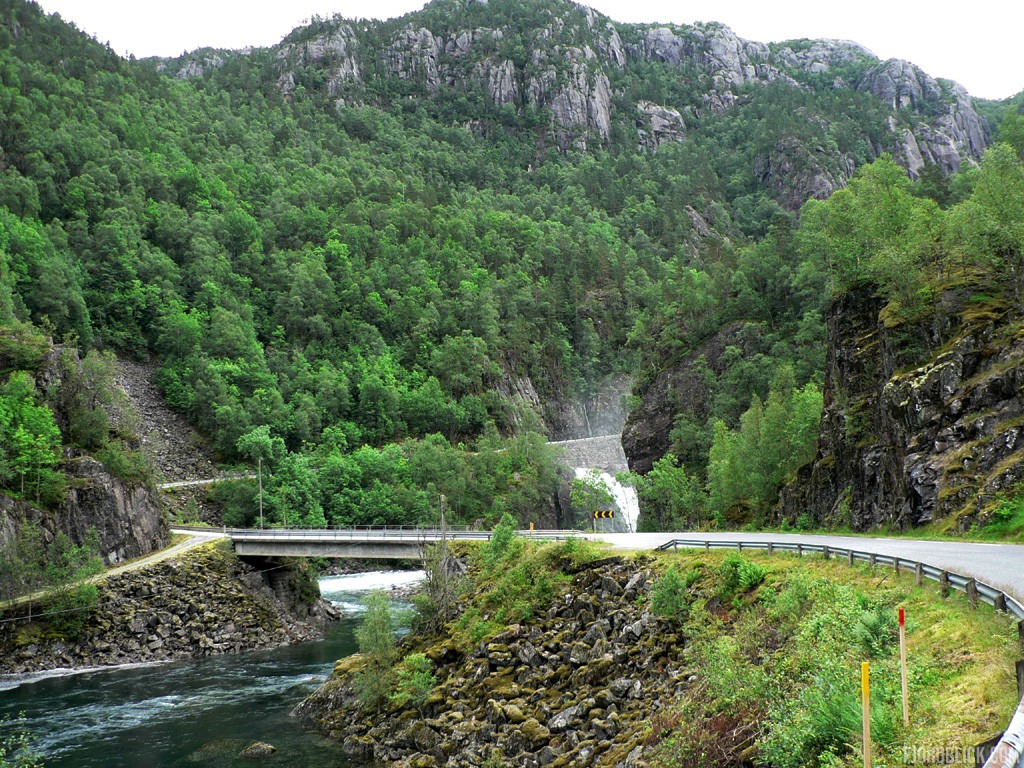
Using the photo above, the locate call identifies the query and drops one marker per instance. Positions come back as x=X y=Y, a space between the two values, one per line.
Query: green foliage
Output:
x=746 y=466
x=1007 y=518
x=515 y=588
x=375 y=636
x=874 y=228
x=825 y=719
x=876 y=631
x=589 y=494
x=58 y=569
x=504 y=545
x=741 y=574
x=671 y=498
x=17 y=749
x=30 y=440
x=415 y=680
x=670 y=597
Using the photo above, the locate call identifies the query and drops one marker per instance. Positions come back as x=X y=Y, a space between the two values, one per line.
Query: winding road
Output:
x=999 y=565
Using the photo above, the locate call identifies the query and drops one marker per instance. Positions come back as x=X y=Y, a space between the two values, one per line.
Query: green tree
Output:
x=376 y=639
x=589 y=494
x=990 y=225
x=30 y=440
x=671 y=499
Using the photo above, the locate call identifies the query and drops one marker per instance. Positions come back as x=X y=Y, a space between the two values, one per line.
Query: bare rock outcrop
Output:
x=657 y=125
x=954 y=131
x=903 y=443
x=678 y=388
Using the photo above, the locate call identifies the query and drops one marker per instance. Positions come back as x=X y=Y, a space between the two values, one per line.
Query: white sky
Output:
x=980 y=50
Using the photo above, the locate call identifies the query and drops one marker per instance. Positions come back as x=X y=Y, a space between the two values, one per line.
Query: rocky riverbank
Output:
x=573 y=687
x=205 y=602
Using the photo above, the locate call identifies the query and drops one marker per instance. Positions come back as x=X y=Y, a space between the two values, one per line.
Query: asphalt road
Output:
x=999 y=565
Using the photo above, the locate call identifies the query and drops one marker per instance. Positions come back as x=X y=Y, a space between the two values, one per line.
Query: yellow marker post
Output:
x=865 y=691
x=531 y=527
x=903 y=667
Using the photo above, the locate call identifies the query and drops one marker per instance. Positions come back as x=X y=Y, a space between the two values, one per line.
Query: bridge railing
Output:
x=371 y=532
x=1009 y=752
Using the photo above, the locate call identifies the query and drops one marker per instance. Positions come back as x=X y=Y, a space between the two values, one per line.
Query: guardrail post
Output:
x=826 y=552
x=1020 y=679
x=799 y=550
x=872 y=559
x=919 y=574
x=896 y=565
x=944 y=583
x=1000 y=602
x=739 y=546
x=707 y=547
x=849 y=556
x=972 y=593
x=771 y=548
x=1020 y=634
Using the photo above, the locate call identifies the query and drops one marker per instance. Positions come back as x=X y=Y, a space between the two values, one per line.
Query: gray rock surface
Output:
x=905 y=442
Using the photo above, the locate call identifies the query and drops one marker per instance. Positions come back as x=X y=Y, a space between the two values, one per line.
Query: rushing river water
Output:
x=193 y=713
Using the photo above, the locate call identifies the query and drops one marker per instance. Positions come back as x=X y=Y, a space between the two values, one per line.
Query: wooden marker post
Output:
x=903 y=667
x=865 y=698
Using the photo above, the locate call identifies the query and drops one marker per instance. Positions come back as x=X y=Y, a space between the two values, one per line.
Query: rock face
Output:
x=206 y=602
x=564 y=64
x=679 y=388
x=657 y=125
x=954 y=133
x=575 y=687
x=904 y=444
x=794 y=172
x=128 y=518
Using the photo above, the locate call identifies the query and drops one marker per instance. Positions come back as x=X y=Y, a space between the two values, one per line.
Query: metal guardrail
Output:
x=976 y=590
x=1009 y=752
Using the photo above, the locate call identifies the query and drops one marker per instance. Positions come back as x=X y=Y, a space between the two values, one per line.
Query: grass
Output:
x=788 y=652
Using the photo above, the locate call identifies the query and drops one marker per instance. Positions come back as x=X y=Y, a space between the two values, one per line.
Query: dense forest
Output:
x=352 y=280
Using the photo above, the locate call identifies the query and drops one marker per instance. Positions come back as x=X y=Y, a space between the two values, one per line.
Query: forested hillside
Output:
x=392 y=258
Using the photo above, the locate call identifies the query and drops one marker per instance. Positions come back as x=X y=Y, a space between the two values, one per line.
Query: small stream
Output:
x=194 y=713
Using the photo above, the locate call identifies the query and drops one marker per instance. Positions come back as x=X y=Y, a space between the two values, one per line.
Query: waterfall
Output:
x=626 y=501
x=605 y=457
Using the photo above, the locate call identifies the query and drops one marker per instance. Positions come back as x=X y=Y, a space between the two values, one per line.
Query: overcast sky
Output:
x=978 y=48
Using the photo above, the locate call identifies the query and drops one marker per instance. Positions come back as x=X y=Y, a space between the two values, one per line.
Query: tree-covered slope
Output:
x=457 y=223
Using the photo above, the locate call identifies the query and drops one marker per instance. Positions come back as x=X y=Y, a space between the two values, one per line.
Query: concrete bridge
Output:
x=365 y=543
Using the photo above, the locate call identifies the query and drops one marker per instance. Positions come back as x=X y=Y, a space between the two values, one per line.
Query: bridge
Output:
x=361 y=542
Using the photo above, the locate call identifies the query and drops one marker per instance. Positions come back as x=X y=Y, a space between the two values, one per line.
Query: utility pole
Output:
x=444 y=564
x=261 y=491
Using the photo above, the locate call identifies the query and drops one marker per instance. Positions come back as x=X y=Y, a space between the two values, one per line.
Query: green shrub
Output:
x=670 y=596
x=505 y=542
x=415 y=680
x=376 y=638
x=738 y=573
x=876 y=631
x=16 y=744
x=824 y=719
x=750 y=575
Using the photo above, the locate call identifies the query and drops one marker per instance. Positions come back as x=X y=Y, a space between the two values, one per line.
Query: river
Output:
x=193 y=713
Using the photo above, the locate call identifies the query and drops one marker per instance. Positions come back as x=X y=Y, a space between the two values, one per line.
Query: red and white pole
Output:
x=903 y=667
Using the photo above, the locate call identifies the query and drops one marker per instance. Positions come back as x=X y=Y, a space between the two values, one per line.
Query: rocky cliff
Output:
x=919 y=424
x=128 y=517
x=576 y=70
x=679 y=389
x=204 y=602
